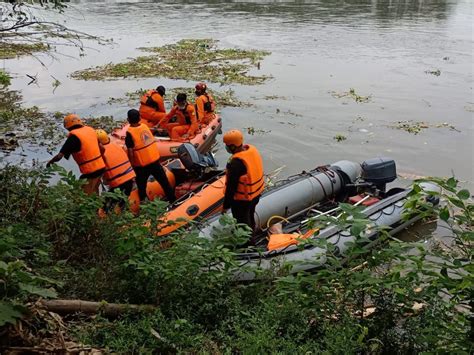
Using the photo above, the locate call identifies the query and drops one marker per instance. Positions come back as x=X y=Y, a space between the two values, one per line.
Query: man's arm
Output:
x=55 y=159
x=194 y=123
x=72 y=145
x=199 y=108
x=129 y=144
x=235 y=169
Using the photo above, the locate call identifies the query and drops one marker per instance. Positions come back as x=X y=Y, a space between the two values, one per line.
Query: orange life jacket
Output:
x=209 y=104
x=119 y=170
x=252 y=183
x=186 y=114
x=88 y=158
x=147 y=100
x=145 y=150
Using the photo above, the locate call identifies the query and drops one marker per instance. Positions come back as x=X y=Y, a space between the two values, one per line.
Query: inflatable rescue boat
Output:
x=303 y=198
x=202 y=141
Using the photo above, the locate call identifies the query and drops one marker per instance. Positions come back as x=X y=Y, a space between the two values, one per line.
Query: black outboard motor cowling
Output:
x=193 y=160
x=379 y=171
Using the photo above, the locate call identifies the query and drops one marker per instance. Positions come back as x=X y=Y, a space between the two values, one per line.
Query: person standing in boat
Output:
x=144 y=156
x=205 y=104
x=84 y=147
x=186 y=119
x=152 y=106
x=119 y=173
x=244 y=179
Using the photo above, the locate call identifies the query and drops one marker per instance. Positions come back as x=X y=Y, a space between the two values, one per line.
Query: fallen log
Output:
x=88 y=307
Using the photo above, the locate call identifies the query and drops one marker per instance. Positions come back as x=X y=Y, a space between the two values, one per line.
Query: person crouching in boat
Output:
x=244 y=179
x=186 y=118
x=84 y=147
x=119 y=173
x=145 y=157
x=152 y=106
x=205 y=104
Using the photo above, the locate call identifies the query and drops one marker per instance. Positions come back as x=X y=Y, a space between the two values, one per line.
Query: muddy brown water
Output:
x=380 y=48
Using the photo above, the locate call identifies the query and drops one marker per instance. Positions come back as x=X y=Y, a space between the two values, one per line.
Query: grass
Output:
x=189 y=59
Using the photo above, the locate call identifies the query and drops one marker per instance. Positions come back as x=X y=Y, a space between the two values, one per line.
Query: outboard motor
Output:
x=193 y=160
x=379 y=172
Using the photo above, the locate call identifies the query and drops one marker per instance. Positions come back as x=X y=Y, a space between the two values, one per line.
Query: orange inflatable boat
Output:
x=202 y=141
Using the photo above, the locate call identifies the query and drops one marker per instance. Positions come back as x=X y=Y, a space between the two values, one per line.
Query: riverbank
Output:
x=55 y=245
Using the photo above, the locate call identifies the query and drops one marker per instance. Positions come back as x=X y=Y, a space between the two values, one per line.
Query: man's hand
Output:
x=55 y=159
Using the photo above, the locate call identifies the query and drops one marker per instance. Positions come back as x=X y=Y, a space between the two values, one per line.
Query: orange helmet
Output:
x=234 y=137
x=72 y=120
x=102 y=136
x=201 y=87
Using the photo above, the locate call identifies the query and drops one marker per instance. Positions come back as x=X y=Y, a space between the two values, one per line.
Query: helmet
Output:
x=102 y=136
x=72 y=120
x=201 y=87
x=234 y=137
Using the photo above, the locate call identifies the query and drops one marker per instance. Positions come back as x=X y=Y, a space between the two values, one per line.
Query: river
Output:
x=385 y=49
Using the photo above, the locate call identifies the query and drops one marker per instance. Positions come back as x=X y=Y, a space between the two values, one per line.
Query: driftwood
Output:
x=88 y=307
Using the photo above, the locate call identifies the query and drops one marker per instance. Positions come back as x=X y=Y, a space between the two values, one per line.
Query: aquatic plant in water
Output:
x=189 y=59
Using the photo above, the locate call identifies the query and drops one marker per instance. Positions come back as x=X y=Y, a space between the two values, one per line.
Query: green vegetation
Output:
x=188 y=59
x=339 y=137
x=13 y=50
x=400 y=297
x=416 y=127
x=4 y=78
x=435 y=72
x=353 y=95
x=26 y=125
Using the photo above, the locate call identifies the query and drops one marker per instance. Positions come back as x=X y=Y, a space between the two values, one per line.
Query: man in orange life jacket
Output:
x=205 y=104
x=244 y=179
x=187 y=123
x=119 y=173
x=152 y=106
x=145 y=157
x=83 y=145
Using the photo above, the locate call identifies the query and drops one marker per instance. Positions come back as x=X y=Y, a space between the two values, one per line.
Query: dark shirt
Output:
x=235 y=169
x=72 y=144
x=129 y=141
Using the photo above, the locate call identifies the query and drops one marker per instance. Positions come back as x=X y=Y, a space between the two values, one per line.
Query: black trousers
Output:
x=244 y=212
x=110 y=202
x=156 y=170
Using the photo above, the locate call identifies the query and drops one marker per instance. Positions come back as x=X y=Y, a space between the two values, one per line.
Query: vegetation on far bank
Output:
x=397 y=297
x=188 y=59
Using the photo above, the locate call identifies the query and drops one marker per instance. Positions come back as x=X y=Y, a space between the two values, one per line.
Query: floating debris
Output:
x=416 y=127
x=339 y=137
x=188 y=59
x=13 y=50
x=435 y=72
x=107 y=123
x=252 y=131
x=224 y=98
x=26 y=125
x=352 y=94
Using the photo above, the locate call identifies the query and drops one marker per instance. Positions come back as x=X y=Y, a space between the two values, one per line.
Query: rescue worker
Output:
x=152 y=106
x=244 y=179
x=83 y=145
x=186 y=118
x=205 y=104
x=145 y=157
x=119 y=173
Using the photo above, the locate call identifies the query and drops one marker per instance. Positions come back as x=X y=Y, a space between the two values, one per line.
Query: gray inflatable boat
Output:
x=308 y=195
